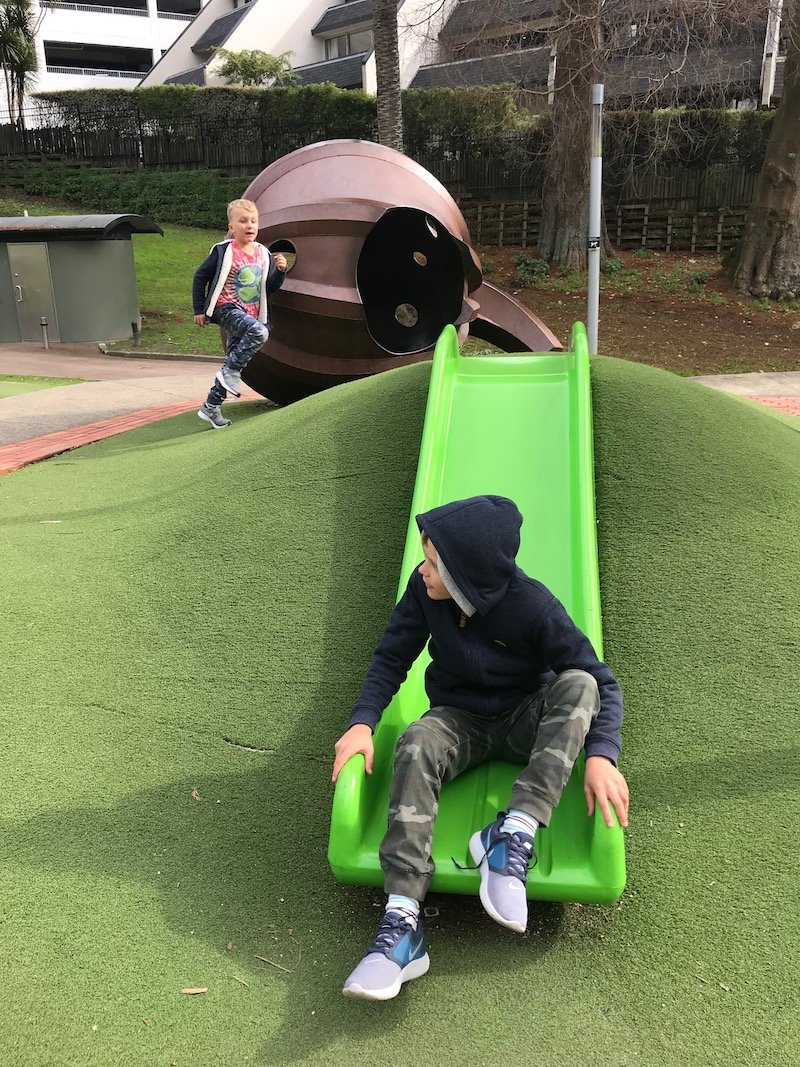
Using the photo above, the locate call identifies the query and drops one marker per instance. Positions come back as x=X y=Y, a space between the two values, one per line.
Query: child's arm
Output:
x=566 y=647
x=275 y=273
x=401 y=643
x=202 y=278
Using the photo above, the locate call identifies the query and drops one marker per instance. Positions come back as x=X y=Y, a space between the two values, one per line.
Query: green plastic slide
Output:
x=518 y=426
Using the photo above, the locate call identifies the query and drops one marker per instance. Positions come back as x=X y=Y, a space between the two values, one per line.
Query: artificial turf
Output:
x=11 y=385
x=188 y=617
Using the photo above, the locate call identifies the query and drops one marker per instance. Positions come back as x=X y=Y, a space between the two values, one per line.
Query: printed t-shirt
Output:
x=243 y=284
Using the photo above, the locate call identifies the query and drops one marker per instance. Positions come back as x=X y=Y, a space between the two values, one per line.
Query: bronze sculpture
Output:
x=383 y=263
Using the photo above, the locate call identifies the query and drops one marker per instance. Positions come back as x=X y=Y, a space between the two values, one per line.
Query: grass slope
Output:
x=173 y=591
x=16 y=385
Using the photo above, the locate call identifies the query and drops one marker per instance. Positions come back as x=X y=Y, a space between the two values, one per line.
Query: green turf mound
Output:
x=189 y=615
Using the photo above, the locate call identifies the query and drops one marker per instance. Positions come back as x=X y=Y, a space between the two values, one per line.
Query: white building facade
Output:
x=100 y=46
x=329 y=42
x=441 y=42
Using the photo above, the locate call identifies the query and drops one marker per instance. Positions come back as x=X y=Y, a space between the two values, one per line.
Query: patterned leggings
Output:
x=545 y=732
x=246 y=336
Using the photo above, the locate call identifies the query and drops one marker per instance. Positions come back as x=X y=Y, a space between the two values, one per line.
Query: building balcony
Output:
x=76 y=59
x=346 y=72
x=55 y=7
x=93 y=72
x=344 y=17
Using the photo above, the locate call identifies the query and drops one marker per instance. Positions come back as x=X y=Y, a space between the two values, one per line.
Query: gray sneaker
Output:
x=212 y=415
x=503 y=861
x=231 y=380
x=397 y=954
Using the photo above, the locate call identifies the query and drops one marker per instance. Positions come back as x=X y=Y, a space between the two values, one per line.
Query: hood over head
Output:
x=477 y=541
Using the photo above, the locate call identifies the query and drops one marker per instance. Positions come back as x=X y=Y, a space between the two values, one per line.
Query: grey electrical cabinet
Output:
x=73 y=274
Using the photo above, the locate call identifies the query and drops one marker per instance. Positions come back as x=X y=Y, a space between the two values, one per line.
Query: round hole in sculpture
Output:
x=287 y=249
x=431 y=226
x=406 y=315
x=421 y=259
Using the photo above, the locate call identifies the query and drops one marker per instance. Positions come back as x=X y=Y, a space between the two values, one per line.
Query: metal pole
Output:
x=595 y=202
x=45 y=339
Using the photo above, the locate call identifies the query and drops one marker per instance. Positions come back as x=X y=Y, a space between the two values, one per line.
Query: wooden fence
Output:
x=516 y=224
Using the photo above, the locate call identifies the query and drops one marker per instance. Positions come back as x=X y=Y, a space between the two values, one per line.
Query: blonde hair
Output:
x=247 y=204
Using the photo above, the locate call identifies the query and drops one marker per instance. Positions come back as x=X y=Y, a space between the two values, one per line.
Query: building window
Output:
x=348 y=44
x=360 y=42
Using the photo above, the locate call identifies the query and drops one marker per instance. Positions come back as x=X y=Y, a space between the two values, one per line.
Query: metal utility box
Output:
x=75 y=272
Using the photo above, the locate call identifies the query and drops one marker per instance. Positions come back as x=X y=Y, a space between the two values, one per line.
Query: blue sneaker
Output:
x=397 y=954
x=503 y=860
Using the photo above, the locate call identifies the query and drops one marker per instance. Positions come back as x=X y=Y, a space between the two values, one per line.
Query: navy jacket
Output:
x=518 y=639
x=211 y=275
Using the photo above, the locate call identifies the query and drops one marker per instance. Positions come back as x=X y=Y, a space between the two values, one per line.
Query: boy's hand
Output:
x=357 y=739
x=200 y=320
x=280 y=260
x=604 y=783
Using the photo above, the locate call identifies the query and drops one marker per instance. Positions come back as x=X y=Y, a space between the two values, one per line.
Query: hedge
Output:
x=192 y=198
x=488 y=118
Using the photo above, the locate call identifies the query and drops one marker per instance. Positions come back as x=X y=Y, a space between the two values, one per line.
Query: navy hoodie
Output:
x=518 y=638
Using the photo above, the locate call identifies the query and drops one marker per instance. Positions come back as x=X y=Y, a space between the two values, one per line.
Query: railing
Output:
x=138 y=12
x=94 y=71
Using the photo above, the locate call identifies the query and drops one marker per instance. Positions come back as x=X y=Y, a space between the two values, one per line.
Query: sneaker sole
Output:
x=202 y=415
x=478 y=853
x=224 y=384
x=415 y=969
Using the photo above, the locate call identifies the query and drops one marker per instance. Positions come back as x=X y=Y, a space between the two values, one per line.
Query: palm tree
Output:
x=387 y=71
x=17 y=53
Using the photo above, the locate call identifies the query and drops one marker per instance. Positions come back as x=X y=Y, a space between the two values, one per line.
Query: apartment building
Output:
x=481 y=42
x=442 y=43
x=92 y=45
x=329 y=42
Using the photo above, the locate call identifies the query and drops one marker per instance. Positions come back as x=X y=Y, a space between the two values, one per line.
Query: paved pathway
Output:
x=778 y=384
x=122 y=392
x=119 y=394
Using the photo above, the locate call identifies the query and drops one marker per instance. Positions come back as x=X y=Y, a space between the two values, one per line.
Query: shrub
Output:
x=528 y=270
x=193 y=198
x=611 y=267
x=697 y=279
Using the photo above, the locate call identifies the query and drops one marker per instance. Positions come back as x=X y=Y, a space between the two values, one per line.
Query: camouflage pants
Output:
x=545 y=732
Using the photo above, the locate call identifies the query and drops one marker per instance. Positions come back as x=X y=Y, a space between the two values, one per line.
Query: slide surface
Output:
x=518 y=426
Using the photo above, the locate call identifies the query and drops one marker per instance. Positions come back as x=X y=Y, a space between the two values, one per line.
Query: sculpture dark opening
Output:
x=410 y=277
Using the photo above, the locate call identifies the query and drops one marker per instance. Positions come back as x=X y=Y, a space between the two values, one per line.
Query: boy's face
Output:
x=430 y=574
x=243 y=225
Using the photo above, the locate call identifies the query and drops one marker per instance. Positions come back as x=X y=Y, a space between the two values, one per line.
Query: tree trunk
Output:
x=564 y=228
x=387 y=71
x=767 y=261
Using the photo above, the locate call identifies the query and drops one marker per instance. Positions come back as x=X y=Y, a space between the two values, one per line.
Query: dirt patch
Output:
x=671 y=311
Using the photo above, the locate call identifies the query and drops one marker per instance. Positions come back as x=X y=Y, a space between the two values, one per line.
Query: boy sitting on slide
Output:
x=511 y=677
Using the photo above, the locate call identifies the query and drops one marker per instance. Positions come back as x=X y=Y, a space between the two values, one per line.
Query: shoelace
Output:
x=393 y=925
x=519 y=857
